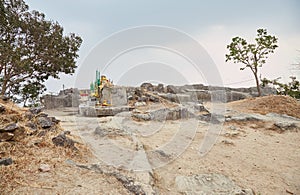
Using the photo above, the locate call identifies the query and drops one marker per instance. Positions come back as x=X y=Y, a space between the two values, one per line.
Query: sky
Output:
x=118 y=38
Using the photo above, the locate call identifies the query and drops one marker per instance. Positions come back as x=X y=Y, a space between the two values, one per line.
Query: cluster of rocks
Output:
x=18 y=124
x=141 y=95
x=32 y=122
x=196 y=92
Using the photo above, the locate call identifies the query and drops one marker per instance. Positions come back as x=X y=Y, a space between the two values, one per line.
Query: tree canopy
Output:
x=292 y=88
x=252 y=55
x=32 y=49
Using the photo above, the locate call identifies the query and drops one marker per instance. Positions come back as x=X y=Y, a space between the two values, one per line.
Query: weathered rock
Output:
x=44 y=168
x=147 y=86
x=35 y=110
x=165 y=114
x=6 y=161
x=140 y=116
x=64 y=141
x=179 y=113
x=138 y=92
x=130 y=97
x=200 y=108
x=102 y=111
x=54 y=120
x=11 y=127
x=137 y=104
x=227 y=142
x=245 y=117
x=160 y=88
x=143 y=98
x=170 y=97
x=6 y=136
x=283 y=117
x=103 y=131
x=129 y=184
x=211 y=118
x=100 y=131
x=45 y=122
x=232 y=133
x=203 y=96
x=153 y=98
x=172 y=89
x=209 y=184
x=284 y=126
x=177 y=98
x=2 y=108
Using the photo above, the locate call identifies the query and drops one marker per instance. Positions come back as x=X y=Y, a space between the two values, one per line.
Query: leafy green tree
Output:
x=292 y=88
x=251 y=55
x=32 y=49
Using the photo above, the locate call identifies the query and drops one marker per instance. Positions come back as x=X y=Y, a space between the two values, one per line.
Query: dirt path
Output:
x=251 y=153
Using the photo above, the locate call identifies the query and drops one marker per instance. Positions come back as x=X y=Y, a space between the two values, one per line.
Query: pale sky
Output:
x=212 y=23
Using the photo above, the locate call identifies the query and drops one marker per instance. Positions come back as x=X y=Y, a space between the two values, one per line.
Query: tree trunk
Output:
x=4 y=87
x=257 y=84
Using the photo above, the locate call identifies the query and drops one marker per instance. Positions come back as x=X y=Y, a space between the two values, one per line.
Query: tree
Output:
x=32 y=49
x=292 y=88
x=254 y=55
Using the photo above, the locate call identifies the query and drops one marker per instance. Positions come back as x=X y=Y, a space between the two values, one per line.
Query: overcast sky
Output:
x=211 y=23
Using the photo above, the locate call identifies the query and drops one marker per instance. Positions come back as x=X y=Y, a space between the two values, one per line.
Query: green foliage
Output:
x=292 y=88
x=32 y=49
x=252 y=55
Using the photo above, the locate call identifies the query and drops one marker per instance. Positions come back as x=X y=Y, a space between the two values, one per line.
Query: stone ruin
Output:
x=65 y=98
x=187 y=99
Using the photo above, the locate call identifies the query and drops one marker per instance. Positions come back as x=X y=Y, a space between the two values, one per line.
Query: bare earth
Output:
x=253 y=154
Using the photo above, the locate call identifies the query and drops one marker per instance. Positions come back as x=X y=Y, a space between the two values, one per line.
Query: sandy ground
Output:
x=252 y=154
x=126 y=153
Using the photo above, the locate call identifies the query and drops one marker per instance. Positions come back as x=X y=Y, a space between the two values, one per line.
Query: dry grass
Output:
x=276 y=103
x=30 y=151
